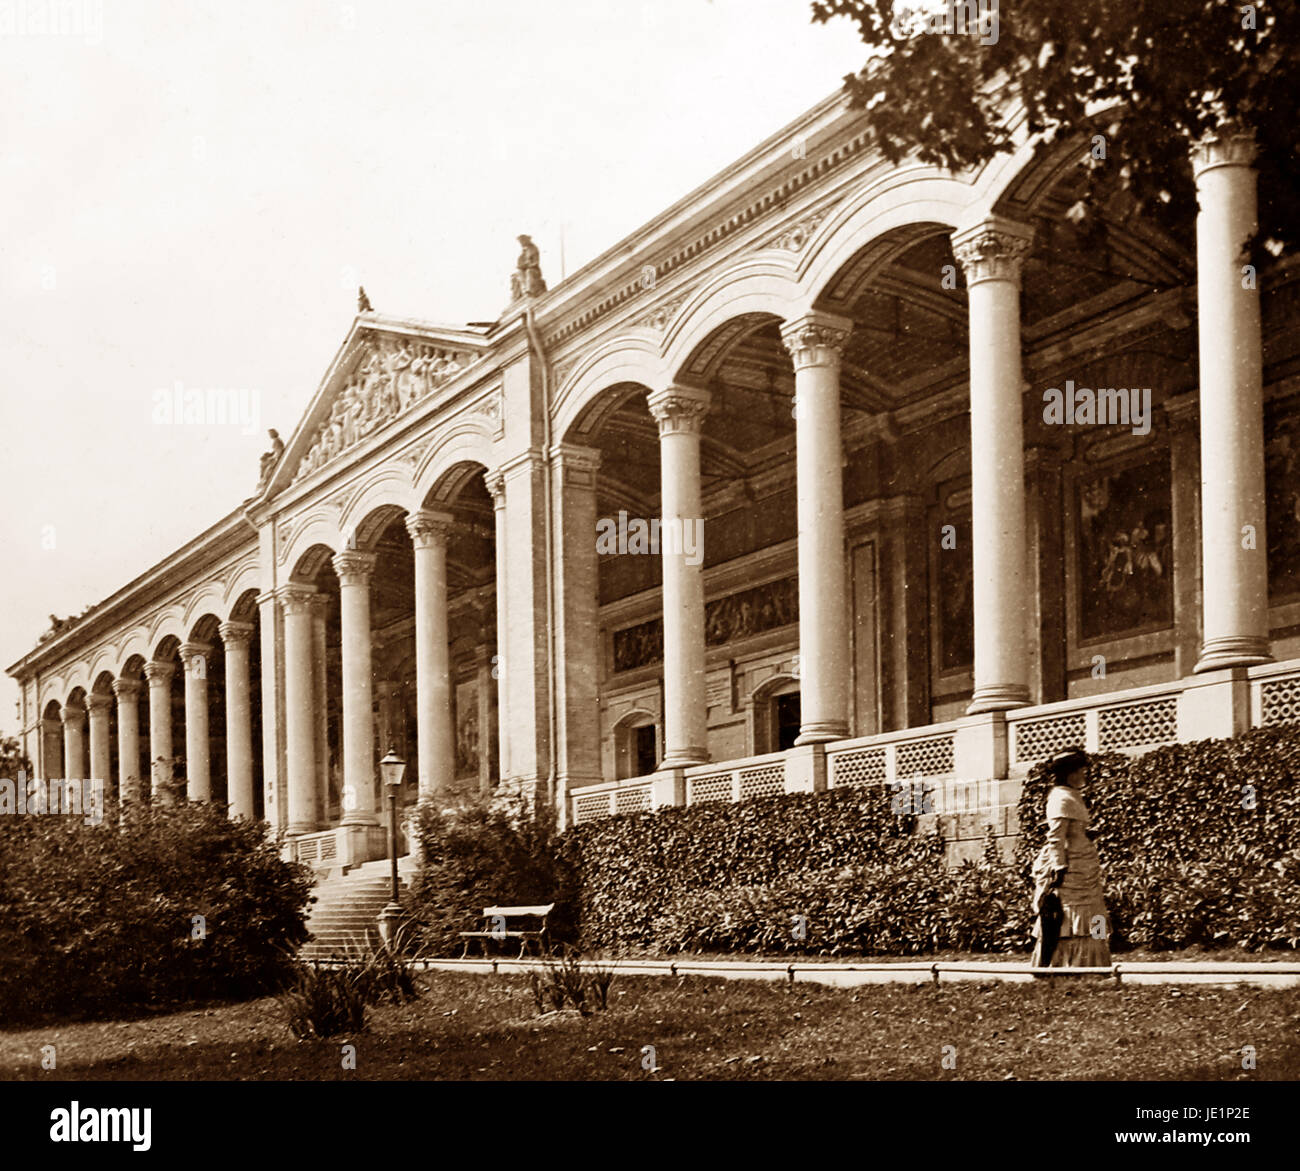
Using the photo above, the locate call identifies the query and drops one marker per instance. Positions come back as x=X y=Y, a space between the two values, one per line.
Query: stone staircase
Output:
x=346 y=910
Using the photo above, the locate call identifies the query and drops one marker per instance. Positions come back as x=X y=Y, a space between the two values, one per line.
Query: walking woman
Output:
x=1071 y=926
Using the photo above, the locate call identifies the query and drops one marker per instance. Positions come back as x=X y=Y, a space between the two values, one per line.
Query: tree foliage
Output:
x=1150 y=76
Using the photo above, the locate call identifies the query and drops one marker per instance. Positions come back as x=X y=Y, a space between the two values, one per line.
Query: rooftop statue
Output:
x=270 y=459
x=526 y=280
x=363 y=302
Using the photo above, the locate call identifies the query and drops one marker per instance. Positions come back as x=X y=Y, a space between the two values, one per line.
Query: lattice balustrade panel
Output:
x=1132 y=724
x=1039 y=739
x=590 y=807
x=329 y=848
x=864 y=767
x=1280 y=702
x=307 y=849
x=714 y=787
x=632 y=800
x=762 y=782
x=933 y=757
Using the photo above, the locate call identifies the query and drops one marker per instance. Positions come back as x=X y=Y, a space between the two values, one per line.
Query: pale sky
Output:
x=191 y=192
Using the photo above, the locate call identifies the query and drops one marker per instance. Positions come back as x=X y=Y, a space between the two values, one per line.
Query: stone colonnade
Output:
x=991 y=253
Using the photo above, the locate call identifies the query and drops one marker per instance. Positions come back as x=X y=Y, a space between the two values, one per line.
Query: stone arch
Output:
x=388 y=492
x=628 y=747
x=246 y=579
x=103 y=683
x=210 y=598
x=761 y=710
x=466 y=443
x=244 y=608
x=310 y=562
x=631 y=361
x=319 y=527
x=758 y=289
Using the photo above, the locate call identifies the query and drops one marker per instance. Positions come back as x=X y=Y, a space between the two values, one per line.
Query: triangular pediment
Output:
x=386 y=368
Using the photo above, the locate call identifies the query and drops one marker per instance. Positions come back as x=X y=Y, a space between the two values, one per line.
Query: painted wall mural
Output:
x=1125 y=564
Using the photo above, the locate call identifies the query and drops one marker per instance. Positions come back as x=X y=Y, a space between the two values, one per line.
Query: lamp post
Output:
x=391 y=768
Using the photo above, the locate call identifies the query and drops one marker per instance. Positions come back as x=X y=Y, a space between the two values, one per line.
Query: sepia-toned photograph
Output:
x=611 y=541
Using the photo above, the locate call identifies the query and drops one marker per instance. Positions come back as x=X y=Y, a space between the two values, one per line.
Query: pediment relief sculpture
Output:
x=390 y=376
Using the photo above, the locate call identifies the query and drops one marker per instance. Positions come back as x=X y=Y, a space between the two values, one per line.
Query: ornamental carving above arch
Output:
x=389 y=376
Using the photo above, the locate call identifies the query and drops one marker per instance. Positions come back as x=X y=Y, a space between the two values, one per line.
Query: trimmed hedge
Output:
x=1187 y=862
x=97 y=919
x=1199 y=842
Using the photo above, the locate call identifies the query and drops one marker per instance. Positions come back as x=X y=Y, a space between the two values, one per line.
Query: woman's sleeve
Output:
x=1058 y=832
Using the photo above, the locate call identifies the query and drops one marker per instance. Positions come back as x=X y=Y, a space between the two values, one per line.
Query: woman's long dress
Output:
x=1085 y=928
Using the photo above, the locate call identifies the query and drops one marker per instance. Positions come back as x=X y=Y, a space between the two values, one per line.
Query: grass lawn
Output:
x=486 y=1027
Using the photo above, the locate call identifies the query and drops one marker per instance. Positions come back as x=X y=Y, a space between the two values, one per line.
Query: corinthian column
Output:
x=235 y=638
x=198 y=764
x=128 y=739
x=680 y=412
x=354 y=570
x=100 y=755
x=1233 y=535
x=437 y=744
x=991 y=253
x=74 y=743
x=815 y=343
x=299 y=713
x=160 y=675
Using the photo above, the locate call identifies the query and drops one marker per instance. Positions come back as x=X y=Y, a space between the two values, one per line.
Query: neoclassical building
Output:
x=911 y=565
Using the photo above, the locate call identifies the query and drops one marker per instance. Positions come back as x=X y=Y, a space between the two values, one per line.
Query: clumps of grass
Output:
x=562 y=981
x=325 y=1001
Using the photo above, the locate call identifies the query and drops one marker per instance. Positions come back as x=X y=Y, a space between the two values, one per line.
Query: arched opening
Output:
x=775 y=711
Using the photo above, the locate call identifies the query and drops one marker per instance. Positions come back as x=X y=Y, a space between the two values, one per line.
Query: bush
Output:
x=1199 y=842
x=481 y=855
x=177 y=903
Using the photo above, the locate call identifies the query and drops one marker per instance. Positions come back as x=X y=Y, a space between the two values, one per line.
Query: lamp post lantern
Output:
x=391 y=769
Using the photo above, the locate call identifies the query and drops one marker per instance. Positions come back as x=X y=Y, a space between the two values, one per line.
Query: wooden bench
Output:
x=508 y=923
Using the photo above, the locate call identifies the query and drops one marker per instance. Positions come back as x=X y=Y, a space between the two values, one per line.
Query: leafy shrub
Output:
x=482 y=855
x=1199 y=842
x=176 y=903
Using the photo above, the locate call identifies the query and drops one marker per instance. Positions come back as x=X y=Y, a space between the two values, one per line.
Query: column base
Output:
x=1242 y=650
x=687 y=757
x=297 y=829
x=998 y=697
x=360 y=818
x=822 y=731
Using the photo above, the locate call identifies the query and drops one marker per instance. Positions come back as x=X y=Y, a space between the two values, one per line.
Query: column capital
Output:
x=494 y=479
x=72 y=714
x=98 y=704
x=194 y=652
x=429 y=529
x=126 y=690
x=679 y=408
x=159 y=672
x=354 y=567
x=815 y=339
x=1230 y=144
x=992 y=250
x=234 y=634
x=318 y=606
x=296 y=598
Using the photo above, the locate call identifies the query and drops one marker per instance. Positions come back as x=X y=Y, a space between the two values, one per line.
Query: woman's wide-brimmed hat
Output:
x=1066 y=761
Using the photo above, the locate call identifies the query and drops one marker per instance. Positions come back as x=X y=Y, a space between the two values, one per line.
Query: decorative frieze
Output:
x=389 y=377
